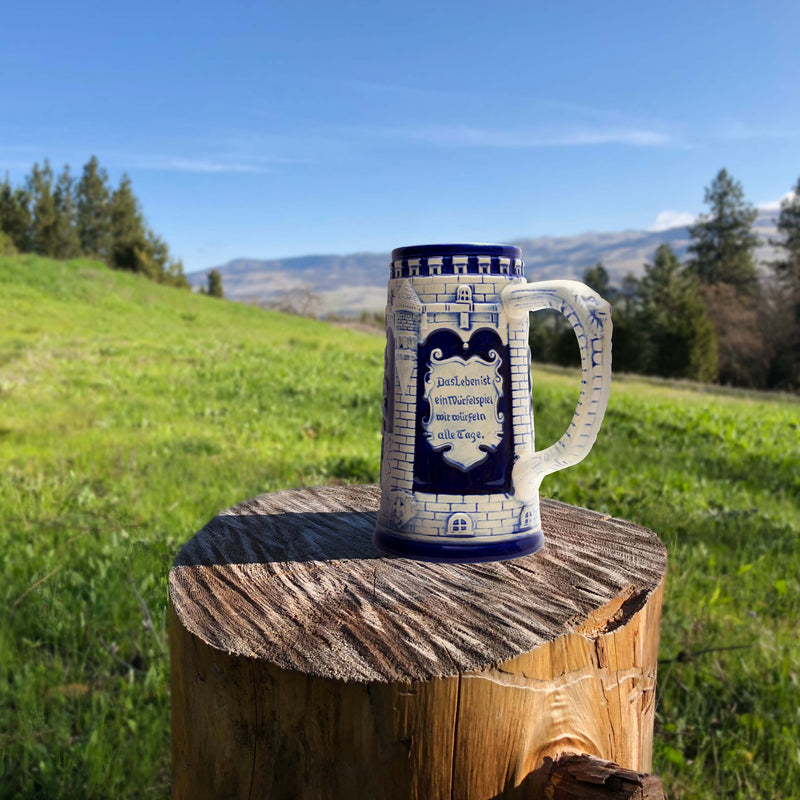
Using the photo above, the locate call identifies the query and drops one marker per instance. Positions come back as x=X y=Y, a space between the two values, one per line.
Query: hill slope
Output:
x=130 y=413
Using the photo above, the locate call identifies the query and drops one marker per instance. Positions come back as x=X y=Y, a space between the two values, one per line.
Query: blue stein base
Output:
x=456 y=553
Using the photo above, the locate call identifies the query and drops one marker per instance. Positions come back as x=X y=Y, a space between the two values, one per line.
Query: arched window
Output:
x=464 y=294
x=525 y=519
x=459 y=525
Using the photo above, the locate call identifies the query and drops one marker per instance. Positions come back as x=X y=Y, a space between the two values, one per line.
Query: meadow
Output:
x=131 y=413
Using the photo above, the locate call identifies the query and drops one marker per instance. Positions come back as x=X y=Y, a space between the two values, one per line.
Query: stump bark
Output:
x=306 y=665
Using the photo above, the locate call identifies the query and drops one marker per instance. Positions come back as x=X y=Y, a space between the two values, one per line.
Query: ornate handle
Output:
x=590 y=317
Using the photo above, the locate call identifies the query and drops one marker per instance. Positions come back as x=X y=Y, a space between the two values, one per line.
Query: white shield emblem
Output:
x=464 y=420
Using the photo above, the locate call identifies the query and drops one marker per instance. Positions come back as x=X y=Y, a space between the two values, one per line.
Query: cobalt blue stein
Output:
x=460 y=474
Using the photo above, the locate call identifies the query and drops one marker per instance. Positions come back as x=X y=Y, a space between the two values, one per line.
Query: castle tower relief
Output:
x=456 y=421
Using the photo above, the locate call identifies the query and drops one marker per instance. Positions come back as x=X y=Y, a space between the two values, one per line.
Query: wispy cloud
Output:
x=671 y=219
x=465 y=136
x=223 y=160
x=197 y=165
x=458 y=97
x=212 y=163
x=740 y=131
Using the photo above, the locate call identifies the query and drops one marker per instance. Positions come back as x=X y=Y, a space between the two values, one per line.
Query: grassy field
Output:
x=131 y=413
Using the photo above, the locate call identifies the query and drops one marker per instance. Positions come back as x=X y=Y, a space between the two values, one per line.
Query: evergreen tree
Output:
x=168 y=270
x=787 y=269
x=15 y=215
x=7 y=247
x=723 y=242
x=130 y=248
x=598 y=279
x=624 y=301
x=92 y=211
x=785 y=330
x=44 y=232
x=677 y=336
x=175 y=276
x=215 y=284
x=67 y=243
x=64 y=219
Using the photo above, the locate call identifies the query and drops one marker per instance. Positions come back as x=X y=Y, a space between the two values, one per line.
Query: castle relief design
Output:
x=459 y=468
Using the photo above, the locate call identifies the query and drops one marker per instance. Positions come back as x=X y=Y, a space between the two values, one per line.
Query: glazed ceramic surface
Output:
x=460 y=474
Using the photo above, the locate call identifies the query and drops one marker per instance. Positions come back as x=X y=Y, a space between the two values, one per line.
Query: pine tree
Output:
x=215 y=284
x=15 y=215
x=787 y=269
x=130 y=248
x=598 y=279
x=677 y=336
x=66 y=240
x=170 y=271
x=723 y=242
x=44 y=233
x=785 y=316
x=92 y=211
x=175 y=276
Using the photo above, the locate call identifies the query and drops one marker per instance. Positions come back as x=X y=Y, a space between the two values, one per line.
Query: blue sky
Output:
x=272 y=129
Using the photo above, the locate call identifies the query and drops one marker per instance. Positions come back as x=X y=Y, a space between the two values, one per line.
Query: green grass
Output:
x=131 y=413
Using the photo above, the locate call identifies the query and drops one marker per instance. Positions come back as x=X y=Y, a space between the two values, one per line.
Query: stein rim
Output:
x=457 y=249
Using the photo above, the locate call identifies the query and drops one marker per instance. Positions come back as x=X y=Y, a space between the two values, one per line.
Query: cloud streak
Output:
x=739 y=131
x=195 y=165
x=465 y=136
x=217 y=164
x=445 y=97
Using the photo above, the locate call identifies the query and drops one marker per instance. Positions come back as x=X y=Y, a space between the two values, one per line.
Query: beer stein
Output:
x=459 y=472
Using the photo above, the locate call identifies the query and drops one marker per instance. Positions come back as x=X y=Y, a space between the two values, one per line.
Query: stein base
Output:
x=456 y=553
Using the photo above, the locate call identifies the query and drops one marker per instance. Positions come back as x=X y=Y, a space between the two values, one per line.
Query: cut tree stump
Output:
x=307 y=665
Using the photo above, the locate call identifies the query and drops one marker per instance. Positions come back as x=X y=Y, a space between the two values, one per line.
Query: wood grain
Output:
x=586 y=778
x=305 y=664
x=293 y=578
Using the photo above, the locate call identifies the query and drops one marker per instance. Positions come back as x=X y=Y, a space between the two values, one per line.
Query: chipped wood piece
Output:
x=304 y=664
x=584 y=777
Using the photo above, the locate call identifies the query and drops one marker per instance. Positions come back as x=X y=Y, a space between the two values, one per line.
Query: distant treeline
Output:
x=714 y=317
x=66 y=217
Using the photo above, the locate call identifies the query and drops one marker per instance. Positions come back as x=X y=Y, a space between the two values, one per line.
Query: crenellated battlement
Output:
x=433 y=266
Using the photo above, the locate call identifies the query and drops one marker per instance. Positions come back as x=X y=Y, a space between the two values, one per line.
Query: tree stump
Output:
x=306 y=665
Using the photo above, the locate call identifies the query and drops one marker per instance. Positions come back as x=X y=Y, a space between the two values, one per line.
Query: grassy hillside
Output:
x=130 y=413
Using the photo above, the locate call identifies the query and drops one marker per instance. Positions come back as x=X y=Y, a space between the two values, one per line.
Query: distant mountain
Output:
x=353 y=283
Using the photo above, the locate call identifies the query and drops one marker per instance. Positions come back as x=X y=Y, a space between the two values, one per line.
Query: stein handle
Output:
x=590 y=317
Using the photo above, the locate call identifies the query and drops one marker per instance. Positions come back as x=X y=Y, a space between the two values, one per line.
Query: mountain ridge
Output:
x=349 y=284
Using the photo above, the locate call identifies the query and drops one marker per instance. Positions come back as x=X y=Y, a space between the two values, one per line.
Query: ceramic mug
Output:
x=459 y=472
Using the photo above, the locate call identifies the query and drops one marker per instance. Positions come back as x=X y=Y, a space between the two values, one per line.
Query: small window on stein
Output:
x=459 y=525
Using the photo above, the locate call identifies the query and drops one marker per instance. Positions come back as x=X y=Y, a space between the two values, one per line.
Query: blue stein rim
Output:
x=458 y=249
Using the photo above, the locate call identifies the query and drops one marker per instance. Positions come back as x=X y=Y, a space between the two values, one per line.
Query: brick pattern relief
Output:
x=421 y=300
